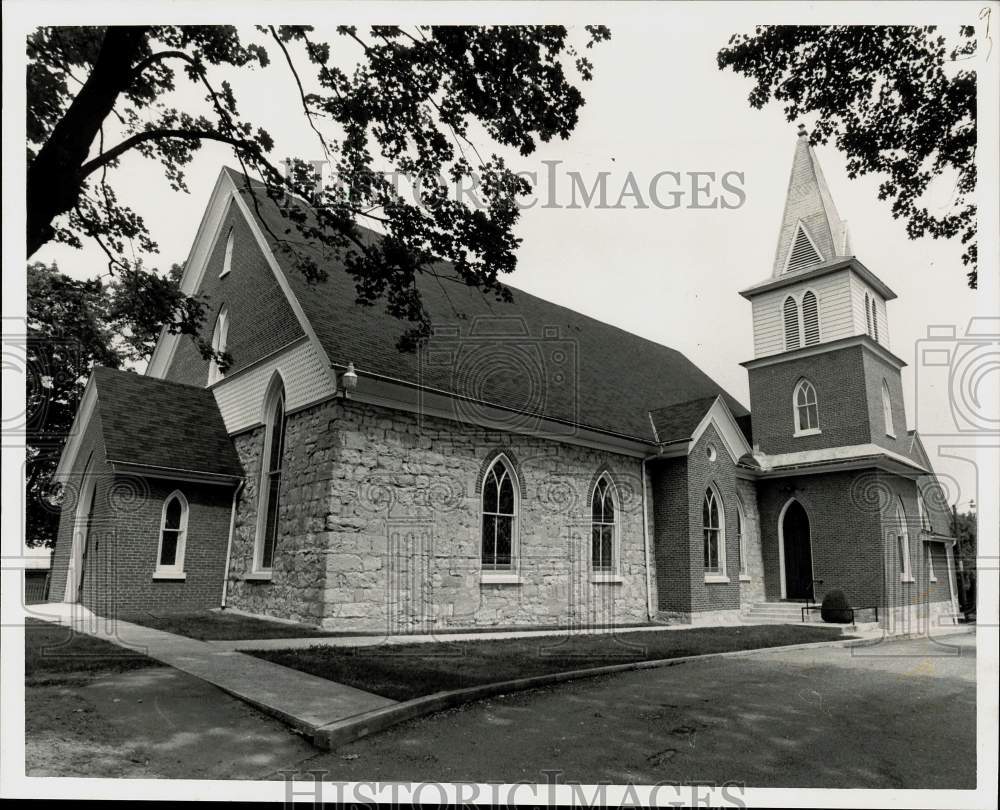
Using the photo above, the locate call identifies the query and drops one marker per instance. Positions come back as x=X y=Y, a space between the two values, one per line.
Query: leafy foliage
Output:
x=409 y=105
x=74 y=325
x=895 y=101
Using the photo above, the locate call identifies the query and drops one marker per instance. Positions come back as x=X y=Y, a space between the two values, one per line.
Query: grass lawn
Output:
x=405 y=671
x=212 y=625
x=53 y=653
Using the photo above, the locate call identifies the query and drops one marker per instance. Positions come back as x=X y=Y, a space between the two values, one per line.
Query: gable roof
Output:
x=528 y=355
x=163 y=425
x=677 y=422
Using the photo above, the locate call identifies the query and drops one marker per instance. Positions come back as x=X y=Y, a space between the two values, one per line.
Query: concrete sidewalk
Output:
x=302 y=700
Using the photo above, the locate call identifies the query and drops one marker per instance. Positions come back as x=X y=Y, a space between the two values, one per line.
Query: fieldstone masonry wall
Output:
x=380 y=527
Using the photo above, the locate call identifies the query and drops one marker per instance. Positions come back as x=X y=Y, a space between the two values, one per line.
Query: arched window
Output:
x=925 y=520
x=868 y=315
x=712 y=522
x=791 y=310
x=500 y=494
x=810 y=318
x=173 y=535
x=887 y=410
x=270 y=477
x=603 y=525
x=220 y=338
x=806 y=407
x=874 y=320
x=227 y=262
x=741 y=536
x=902 y=542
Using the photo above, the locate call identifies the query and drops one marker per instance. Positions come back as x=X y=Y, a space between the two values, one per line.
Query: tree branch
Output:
x=154 y=134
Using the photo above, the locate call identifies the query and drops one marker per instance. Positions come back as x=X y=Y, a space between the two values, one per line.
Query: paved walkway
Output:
x=305 y=701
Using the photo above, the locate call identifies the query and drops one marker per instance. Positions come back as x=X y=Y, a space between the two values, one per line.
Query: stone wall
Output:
x=380 y=527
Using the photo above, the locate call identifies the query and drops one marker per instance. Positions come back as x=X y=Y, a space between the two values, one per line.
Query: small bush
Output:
x=835 y=608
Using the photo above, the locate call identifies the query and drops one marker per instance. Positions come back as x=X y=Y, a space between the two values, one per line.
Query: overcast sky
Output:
x=657 y=103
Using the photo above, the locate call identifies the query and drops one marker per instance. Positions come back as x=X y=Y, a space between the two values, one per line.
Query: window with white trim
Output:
x=499 y=528
x=902 y=542
x=925 y=519
x=931 y=576
x=272 y=460
x=227 y=261
x=713 y=531
x=173 y=535
x=806 y=407
x=810 y=318
x=604 y=525
x=220 y=339
x=741 y=536
x=887 y=410
x=791 y=315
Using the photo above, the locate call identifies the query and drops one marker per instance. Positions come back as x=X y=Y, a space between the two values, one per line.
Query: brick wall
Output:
x=840 y=382
x=381 y=527
x=260 y=318
x=876 y=370
x=844 y=525
x=123 y=538
x=671 y=533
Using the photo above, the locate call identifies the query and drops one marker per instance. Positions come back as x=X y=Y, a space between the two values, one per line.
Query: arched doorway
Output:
x=796 y=552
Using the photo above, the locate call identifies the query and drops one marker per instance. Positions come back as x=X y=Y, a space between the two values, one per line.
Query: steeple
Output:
x=812 y=232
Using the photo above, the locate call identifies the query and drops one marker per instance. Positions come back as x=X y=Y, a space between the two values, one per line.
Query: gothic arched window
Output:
x=712 y=525
x=173 y=534
x=500 y=502
x=603 y=525
x=887 y=410
x=810 y=318
x=806 y=407
x=220 y=339
x=271 y=469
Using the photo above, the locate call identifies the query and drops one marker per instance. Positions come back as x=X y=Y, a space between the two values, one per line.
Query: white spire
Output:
x=812 y=231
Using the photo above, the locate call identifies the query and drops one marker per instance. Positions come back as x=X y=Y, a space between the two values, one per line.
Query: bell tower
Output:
x=822 y=375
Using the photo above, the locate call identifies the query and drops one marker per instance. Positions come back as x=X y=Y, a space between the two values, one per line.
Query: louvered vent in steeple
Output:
x=803 y=253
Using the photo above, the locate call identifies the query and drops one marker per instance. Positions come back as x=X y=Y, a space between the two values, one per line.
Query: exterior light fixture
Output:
x=349 y=380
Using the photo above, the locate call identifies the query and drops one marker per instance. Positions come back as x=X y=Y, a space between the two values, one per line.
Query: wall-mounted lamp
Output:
x=349 y=380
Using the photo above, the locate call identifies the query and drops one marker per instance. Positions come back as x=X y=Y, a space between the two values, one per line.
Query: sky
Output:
x=657 y=103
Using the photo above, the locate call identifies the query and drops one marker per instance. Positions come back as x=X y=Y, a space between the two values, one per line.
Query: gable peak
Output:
x=812 y=231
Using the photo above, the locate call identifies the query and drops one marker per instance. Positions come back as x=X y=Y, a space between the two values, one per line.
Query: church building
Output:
x=527 y=466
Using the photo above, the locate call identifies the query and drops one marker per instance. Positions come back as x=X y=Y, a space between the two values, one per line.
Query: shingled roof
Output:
x=163 y=425
x=529 y=355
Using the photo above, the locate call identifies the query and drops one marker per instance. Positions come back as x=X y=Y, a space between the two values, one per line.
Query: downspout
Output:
x=229 y=542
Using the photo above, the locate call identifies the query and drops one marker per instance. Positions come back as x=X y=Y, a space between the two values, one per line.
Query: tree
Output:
x=966 y=532
x=895 y=101
x=72 y=326
x=412 y=98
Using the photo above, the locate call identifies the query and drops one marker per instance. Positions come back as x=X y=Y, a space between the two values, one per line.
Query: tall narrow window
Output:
x=902 y=543
x=806 y=407
x=791 y=311
x=931 y=576
x=603 y=525
x=887 y=410
x=173 y=535
x=874 y=320
x=220 y=338
x=925 y=520
x=270 y=484
x=227 y=261
x=868 y=315
x=741 y=536
x=810 y=318
x=711 y=519
x=499 y=516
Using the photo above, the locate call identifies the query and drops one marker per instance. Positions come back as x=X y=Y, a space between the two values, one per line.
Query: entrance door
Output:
x=798 y=553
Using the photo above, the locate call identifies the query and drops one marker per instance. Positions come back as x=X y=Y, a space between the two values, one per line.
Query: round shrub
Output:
x=835 y=608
